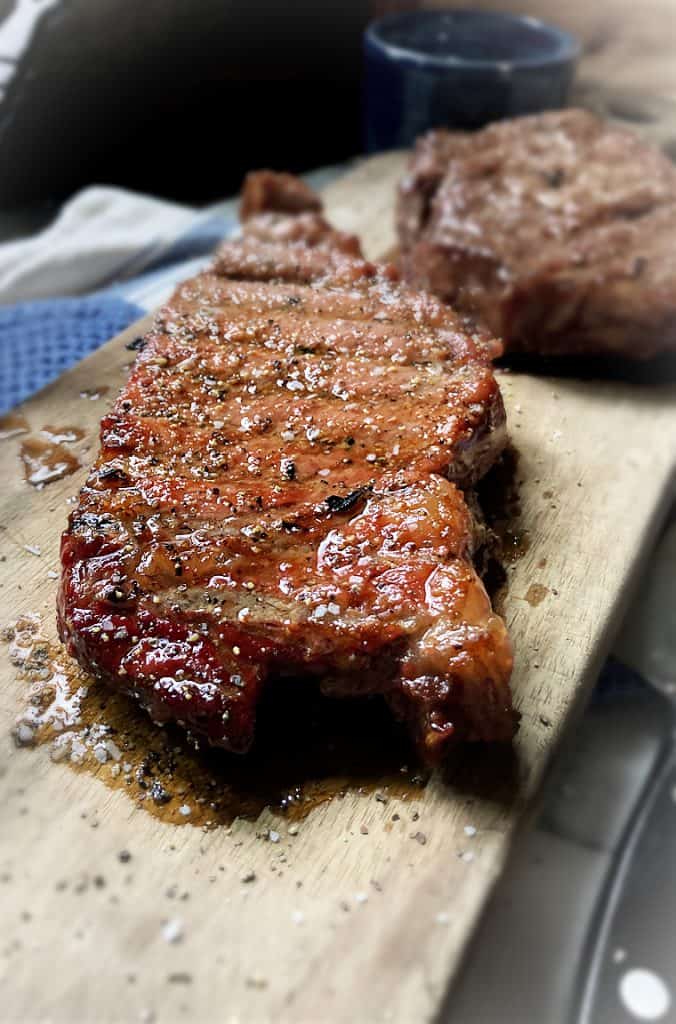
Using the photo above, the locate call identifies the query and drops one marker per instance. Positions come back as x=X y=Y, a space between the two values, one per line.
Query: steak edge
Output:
x=553 y=230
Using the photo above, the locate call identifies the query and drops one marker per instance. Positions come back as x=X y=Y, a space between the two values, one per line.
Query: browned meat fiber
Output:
x=278 y=495
x=555 y=231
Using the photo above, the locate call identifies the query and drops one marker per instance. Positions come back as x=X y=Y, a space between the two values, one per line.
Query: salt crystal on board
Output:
x=172 y=930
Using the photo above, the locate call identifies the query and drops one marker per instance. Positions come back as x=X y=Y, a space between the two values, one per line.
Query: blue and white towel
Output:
x=108 y=258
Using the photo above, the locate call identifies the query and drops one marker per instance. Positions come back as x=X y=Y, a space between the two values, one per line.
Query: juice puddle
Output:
x=536 y=594
x=13 y=425
x=309 y=749
x=45 y=461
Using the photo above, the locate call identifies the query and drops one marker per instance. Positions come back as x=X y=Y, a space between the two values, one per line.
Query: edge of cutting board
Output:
x=596 y=464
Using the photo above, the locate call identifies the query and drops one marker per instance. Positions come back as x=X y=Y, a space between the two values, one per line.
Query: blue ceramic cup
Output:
x=460 y=69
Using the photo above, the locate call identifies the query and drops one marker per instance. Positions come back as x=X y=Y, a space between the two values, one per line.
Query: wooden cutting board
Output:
x=363 y=914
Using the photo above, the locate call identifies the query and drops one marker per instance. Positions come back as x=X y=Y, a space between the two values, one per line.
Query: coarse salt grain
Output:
x=469 y=830
x=172 y=930
x=185 y=810
x=24 y=735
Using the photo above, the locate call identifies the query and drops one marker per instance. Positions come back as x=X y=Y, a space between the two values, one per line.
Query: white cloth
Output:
x=102 y=235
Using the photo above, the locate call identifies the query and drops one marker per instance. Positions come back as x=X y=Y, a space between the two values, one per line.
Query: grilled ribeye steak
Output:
x=277 y=495
x=556 y=231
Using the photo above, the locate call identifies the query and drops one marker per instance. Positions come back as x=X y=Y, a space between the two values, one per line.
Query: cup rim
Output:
x=565 y=47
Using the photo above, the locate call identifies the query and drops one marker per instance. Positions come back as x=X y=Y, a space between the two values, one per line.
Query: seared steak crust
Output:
x=555 y=231
x=277 y=494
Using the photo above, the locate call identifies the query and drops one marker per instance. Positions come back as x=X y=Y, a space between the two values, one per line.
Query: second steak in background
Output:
x=556 y=231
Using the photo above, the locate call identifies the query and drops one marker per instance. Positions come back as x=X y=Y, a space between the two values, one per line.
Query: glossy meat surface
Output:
x=555 y=231
x=277 y=496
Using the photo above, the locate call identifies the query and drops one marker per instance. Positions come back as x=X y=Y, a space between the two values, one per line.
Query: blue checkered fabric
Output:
x=39 y=340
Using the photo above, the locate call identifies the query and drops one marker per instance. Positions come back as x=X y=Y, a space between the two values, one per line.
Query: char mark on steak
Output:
x=555 y=231
x=278 y=493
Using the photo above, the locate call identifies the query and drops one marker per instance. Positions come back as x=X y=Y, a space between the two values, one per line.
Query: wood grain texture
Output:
x=596 y=462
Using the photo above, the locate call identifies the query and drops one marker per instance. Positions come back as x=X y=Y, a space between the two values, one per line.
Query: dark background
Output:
x=179 y=97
